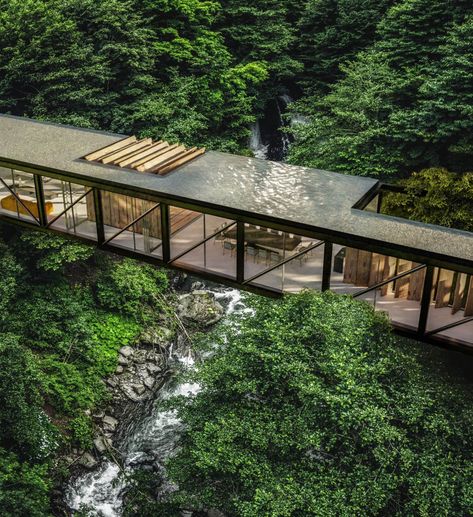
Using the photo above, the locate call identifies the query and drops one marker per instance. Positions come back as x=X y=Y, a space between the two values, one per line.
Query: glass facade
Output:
x=18 y=195
x=451 y=306
x=132 y=223
x=202 y=241
x=70 y=208
x=266 y=258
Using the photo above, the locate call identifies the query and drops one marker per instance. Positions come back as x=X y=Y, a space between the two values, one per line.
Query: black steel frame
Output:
x=240 y=217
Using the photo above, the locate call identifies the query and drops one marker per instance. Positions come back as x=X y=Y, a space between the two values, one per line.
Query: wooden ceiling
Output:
x=145 y=155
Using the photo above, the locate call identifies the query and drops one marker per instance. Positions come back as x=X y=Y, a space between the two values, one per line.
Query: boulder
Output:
x=102 y=444
x=122 y=360
x=200 y=307
x=119 y=369
x=149 y=382
x=126 y=351
x=109 y=423
x=139 y=389
x=87 y=461
x=153 y=369
x=157 y=336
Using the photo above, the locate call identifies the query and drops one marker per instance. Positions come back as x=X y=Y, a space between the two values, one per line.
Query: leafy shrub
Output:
x=109 y=332
x=24 y=487
x=24 y=428
x=54 y=251
x=435 y=196
x=68 y=386
x=127 y=286
x=311 y=406
x=81 y=431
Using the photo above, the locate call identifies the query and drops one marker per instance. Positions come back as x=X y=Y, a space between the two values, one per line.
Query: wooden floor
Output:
x=180 y=218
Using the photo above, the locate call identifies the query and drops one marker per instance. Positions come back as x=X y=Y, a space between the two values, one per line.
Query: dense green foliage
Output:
x=435 y=196
x=386 y=85
x=403 y=103
x=60 y=332
x=313 y=407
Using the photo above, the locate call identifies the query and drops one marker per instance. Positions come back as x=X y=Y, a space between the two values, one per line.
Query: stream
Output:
x=148 y=441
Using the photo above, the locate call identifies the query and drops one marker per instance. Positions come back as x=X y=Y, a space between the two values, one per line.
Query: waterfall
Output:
x=151 y=441
x=256 y=142
x=295 y=118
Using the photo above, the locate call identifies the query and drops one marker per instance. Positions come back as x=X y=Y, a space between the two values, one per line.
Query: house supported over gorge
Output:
x=259 y=225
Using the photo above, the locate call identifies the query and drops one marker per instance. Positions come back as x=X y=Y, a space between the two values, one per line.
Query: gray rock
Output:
x=119 y=369
x=87 y=461
x=112 y=382
x=200 y=307
x=122 y=360
x=149 y=382
x=153 y=369
x=102 y=443
x=109 y=423
x=157 y=336
x=126 y=351
x=139 y=388
x=99 y=415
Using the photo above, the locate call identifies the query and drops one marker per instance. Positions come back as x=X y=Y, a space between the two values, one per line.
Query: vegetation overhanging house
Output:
x=264 y=226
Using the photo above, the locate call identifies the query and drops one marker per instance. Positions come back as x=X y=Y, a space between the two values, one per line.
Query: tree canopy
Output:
x=311 y=406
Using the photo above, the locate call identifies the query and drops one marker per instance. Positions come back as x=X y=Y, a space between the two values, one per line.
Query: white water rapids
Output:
x=101 y=490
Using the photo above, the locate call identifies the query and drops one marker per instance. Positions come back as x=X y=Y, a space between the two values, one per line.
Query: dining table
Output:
x=261 y=238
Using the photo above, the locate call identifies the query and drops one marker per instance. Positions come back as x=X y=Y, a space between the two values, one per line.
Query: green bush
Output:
x=81 y=432
x=435 y=196
x=24 y=487
x=24 y=427
x=128 y=286
x=311 y=406
x=109 y=332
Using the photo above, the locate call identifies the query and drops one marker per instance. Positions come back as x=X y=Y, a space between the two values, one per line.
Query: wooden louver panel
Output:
x=145 y=155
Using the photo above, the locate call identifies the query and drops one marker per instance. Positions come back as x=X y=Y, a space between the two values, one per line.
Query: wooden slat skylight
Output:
x=145 y=155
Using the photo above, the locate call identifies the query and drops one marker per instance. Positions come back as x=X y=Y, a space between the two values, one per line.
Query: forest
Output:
x=310 y=405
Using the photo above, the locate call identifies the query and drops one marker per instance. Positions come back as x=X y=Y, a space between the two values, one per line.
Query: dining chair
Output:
x=228 y=245
x=252 y=252
x=263 y=255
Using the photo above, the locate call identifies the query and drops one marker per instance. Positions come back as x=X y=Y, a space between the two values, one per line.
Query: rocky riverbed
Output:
x=129 y=430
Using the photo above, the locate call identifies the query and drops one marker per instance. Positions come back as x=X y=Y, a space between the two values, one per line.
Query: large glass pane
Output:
x=18 y=195
x=399 y=299
x=452 y=302
x=188 y=231
x=354 y=269
x=70 y=207
x=302 y=272
x=132 y=223
x=265 y=248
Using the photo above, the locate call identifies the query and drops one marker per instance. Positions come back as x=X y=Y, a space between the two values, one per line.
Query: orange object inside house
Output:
x=10 y=203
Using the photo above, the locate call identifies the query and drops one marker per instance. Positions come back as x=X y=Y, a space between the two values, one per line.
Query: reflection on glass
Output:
x=132 y=223
x=188 y=231
x=18 y=195
x=451 y=304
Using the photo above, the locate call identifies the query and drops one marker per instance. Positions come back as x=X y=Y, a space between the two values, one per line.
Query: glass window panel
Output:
x=144 y=235
x=399 y=299
x=451 y=302
x=189 y=228
x=302 y=272
x=22 y=185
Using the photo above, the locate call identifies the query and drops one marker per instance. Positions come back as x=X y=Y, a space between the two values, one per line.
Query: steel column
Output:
x=425 y=301
x=165 y=232
x=240 y=252
x=327 y=266
x=99 y=215
x=40 y=201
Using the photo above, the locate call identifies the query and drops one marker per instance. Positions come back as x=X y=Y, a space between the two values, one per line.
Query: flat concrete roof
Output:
x=319 y=200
